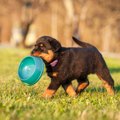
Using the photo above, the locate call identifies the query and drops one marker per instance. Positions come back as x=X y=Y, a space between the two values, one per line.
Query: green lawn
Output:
x=21 y=102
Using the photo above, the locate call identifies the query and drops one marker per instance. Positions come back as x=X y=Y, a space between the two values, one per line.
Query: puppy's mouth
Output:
x=48 y=57
x=35 y=53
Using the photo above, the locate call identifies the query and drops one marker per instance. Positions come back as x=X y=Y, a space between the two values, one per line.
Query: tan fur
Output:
x=55 y=74
x=36 y=54
x=108 y=88
x=46 y=56
x=48 y=93
x=82 y=86
x=70 y=90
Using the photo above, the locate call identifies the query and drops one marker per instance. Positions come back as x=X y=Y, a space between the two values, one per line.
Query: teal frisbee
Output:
x=30 y=70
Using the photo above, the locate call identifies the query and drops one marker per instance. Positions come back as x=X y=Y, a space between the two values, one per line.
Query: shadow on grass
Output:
x=117 y=88
x=115 y=70
x=102 y=89
x=98 y=89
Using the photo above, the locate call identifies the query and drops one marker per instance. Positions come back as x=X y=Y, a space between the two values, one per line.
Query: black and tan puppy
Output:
x=67 y=64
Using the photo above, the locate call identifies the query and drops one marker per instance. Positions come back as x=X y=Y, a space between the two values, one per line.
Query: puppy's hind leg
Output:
x=108 y=82
x=82 y=84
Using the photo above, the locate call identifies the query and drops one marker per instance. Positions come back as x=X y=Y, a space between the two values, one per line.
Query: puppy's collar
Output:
x=54 y=63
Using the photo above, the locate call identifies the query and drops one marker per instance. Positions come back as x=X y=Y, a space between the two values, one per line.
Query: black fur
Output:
x=75 y=63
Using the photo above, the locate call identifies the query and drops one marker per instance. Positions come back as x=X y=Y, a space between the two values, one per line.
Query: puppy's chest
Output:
x=62 y=70
x=61 y=74
x=52 y=72
x=54 y=68
x=57 y=72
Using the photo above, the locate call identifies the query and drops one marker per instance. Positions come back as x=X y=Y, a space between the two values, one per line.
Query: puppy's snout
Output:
x=33 y=52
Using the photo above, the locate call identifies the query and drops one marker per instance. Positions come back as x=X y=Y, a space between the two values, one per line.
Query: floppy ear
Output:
x=55 y=45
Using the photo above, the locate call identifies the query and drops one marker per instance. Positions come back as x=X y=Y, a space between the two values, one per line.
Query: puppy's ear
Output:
x=55 y=45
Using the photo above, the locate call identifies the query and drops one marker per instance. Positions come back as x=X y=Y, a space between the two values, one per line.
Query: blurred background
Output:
x=93 y=21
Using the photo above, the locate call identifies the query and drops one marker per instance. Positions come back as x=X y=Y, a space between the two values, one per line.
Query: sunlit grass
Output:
x=18 y=101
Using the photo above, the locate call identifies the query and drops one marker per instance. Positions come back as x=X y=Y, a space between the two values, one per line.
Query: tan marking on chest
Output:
x=55 y=74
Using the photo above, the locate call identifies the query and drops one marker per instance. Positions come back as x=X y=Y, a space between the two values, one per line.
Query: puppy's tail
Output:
x=82 y=44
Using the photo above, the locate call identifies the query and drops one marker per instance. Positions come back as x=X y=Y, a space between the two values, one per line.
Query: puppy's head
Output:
x=46 y=47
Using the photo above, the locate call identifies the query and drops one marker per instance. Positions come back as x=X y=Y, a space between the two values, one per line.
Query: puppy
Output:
x=66 y=64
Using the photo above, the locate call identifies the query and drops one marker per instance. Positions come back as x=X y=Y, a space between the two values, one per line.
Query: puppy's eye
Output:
x=41 y=45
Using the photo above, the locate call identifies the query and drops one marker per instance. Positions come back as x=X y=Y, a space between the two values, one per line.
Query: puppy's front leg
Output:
x=69 y=89
x=52 y=88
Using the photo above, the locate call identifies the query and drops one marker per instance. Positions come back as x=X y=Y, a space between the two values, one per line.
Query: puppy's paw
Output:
x=46 y=96
x=74 y=94
x=111 y=92
x=48 y=93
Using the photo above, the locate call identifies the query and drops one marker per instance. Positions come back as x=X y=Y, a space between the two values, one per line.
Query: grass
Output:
x=21 y=102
